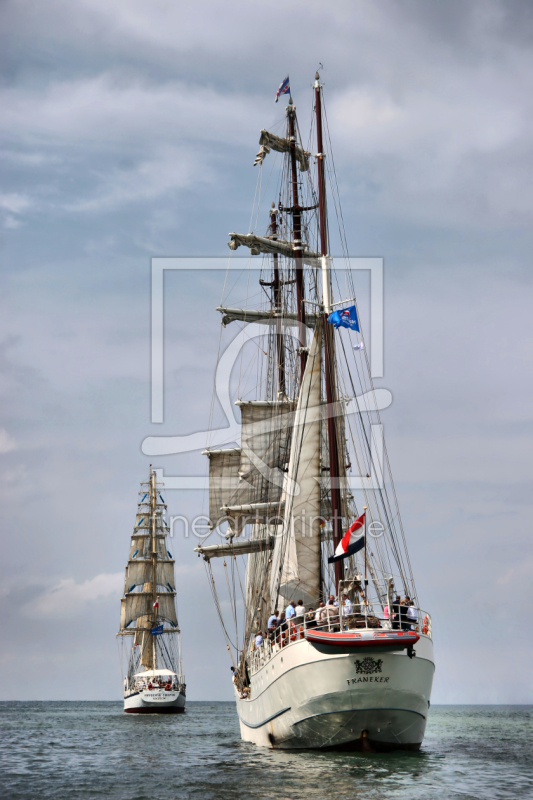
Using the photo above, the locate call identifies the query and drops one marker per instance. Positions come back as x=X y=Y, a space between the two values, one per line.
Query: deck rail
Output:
x=333 y=619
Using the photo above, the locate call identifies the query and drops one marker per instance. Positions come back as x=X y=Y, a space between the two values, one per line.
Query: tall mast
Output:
x=153 y=506
x=278 y=309
x=297 y=231
x=329 y=342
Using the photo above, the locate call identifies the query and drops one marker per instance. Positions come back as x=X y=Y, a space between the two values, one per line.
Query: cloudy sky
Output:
x=129 y=131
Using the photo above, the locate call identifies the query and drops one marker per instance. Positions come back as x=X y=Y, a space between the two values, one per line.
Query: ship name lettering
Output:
x=368 y=679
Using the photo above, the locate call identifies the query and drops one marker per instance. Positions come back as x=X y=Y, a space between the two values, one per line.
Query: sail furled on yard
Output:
x=265 y=244
x=296 y=559
x=265 y=317
x=269 y=141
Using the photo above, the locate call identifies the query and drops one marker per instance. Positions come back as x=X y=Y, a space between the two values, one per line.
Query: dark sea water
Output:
x=63 y=751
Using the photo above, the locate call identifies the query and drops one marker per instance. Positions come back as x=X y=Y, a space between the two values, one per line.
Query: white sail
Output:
x=296 y=561
x=141 y=546
x=140 y=604
x=223 y=480
x=266 y=429
x=140 y=572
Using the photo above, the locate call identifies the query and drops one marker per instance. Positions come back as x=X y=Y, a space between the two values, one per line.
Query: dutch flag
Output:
x=352 y=541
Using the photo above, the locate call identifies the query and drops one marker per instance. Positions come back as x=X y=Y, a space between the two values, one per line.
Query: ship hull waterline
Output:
x=367 y=701
x=155 y=702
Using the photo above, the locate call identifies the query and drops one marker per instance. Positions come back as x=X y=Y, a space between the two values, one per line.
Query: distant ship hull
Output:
x=155 y=701
x=372 y=700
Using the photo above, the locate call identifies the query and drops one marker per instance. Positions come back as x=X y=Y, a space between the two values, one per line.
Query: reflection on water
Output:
x=63 y=751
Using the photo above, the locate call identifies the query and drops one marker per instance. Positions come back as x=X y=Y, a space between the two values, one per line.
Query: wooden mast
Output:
x=153 y=508
x=297 y=232
x=278 y=310
x=329 y=342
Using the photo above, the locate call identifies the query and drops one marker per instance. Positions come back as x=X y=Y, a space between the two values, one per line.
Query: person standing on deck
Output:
x=396 y=613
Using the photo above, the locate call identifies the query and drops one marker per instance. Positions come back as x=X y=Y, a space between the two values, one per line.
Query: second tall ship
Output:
x=154 y=682
x=334 y=650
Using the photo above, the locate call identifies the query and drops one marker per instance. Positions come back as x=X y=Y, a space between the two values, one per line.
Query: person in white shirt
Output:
x=300 y=609
x=412 y=615
x=259 y=639
x=347 y=607
x=321 y=614
x=332 y=601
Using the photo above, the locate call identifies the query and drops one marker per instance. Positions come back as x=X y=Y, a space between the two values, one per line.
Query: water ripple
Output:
x=86 y=751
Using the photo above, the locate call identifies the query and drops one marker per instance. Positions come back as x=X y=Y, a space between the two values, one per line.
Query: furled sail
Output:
x=236 y=548
x=296 y=560
x=269 y=141
x=266 y=317
x=263 y=244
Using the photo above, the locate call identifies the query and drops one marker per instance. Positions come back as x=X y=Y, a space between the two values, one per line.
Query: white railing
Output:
x=334 y=619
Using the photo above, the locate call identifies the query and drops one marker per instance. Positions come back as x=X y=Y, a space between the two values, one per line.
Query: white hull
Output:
x=155 y=701
x=302 y=698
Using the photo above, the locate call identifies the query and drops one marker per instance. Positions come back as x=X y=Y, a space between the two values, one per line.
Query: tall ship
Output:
x=154 y=682
x=330 y=647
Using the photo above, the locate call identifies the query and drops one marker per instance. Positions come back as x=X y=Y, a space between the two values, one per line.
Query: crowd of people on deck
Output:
x=289 y=625
x=157 y=682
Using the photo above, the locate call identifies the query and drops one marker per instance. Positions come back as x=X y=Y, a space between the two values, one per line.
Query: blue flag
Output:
x=157 y=630
x=345 y=318
x=283 y=89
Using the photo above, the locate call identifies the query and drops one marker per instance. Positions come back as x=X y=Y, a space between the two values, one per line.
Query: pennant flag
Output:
x=345 y=318
x=157 y=630
x=156 y=604
x=284 y=88
x=359 y=346
x=352 y=541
